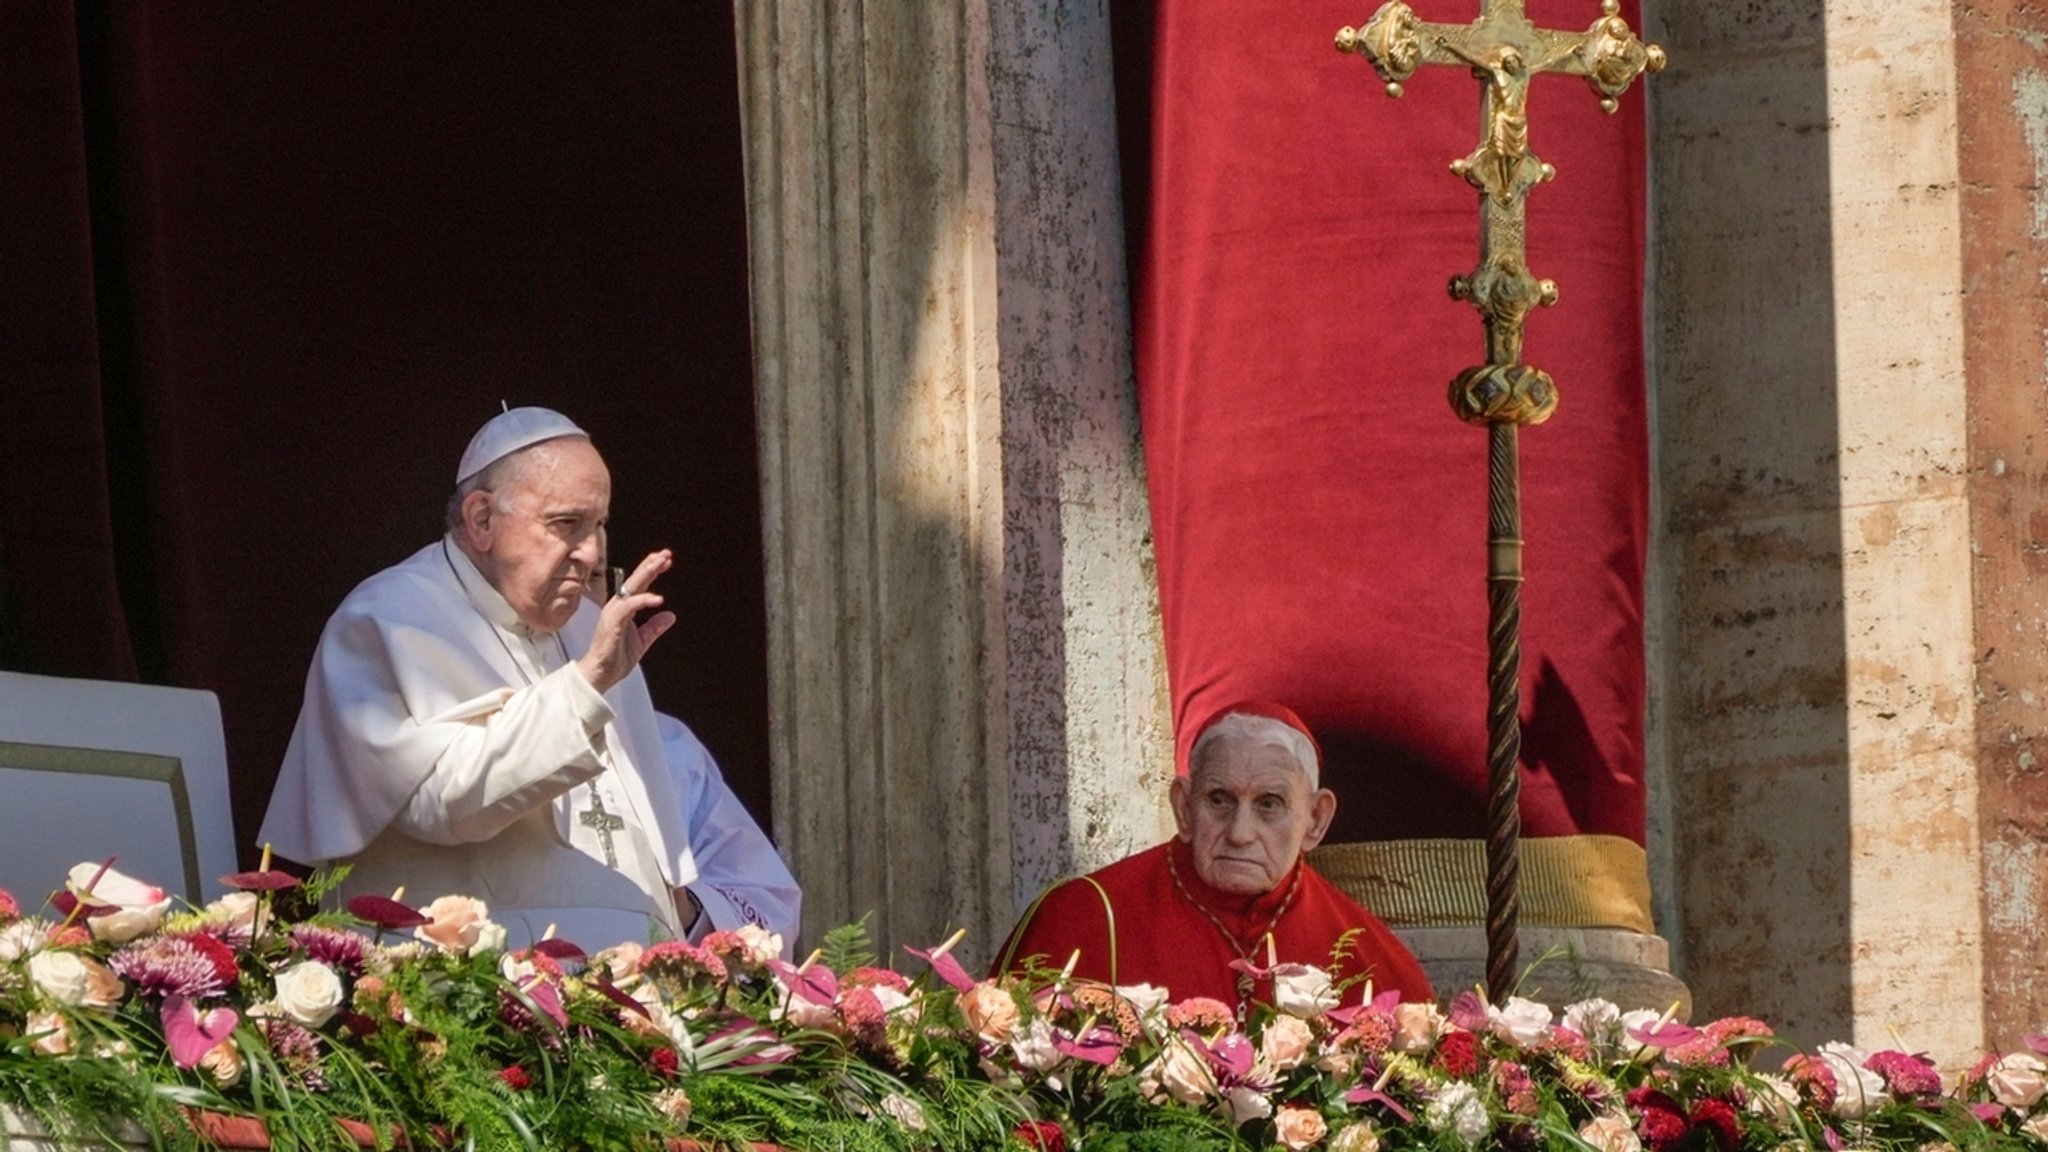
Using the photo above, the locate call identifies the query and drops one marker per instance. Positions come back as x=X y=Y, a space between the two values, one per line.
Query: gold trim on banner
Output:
x=1567 y=881
x=166 y=770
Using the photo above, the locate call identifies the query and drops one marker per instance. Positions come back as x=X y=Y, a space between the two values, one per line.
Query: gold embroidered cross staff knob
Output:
x=1504 y=51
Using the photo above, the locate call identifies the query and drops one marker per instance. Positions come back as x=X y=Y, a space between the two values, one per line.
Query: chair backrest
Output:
x=91 y=769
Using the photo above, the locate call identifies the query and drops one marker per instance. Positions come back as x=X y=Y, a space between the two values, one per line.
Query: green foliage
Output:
x=848 y=947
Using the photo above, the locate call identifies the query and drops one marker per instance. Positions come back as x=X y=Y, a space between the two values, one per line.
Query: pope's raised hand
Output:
x=621 y=639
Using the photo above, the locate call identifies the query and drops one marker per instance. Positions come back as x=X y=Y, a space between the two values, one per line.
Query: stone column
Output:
x=1816 y=640
x=967 y=688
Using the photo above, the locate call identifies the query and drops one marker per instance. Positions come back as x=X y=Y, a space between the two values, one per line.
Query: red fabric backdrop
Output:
x=268 y=267
x=1319 y=514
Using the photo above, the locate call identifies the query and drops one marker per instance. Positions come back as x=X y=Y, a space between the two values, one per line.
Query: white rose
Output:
x=1144 y=999
x=905 y=1111
x=309 y=992
x=1610 y=1133
x=22 y=938
x=1359 y=1137
x=2037 y=1127
x=1247 y=1103
x=804 y=1013
x=490 y=937
x=1521 y=1022
x=1775 y=1098
x=1598 y=1020
x=2018 y=1080
x=1286 y=1043
x=139 y=907
x=59 y=975
x=236 y=912
x=1302 y=990
x=762 y=945
x=1183 y=1073
x=1034 y=1048
x=1857 y=1089
x=889 y=998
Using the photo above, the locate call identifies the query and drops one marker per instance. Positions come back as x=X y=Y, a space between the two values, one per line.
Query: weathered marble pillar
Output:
x=1840 y=589
x=967 y=691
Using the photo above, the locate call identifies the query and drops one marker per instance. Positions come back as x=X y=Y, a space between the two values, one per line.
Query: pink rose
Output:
x=1521 y=1022
x=2018 y=1080
x=1286 y=1043
x=990 y=1011
x=1183 y=1073
x=458 y=925
x=1299 y=1128
x=1610 y=1133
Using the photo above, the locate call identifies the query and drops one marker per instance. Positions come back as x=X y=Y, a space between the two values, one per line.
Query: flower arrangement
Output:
x=387 y=1025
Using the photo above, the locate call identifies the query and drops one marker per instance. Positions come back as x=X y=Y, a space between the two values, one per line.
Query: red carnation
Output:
x=515 y=1078
x=1718 y=1117
x=1457 y=1053
x=663 y=1061
x=1660 y=1129
x=1043 y=1135
x=217 y=954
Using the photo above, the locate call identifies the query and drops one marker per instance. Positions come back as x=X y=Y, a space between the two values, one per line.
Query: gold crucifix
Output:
x=1504 y=51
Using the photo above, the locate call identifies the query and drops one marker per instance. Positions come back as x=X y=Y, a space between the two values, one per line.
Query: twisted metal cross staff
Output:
x=1505 y=51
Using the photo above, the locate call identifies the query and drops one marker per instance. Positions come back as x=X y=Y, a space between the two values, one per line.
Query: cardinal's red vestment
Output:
x=1153 y=921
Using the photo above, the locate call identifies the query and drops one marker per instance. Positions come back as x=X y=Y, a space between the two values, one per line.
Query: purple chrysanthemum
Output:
x=168 y=966
x=338 y=949
x=296 y=1048
x=1907 y=1076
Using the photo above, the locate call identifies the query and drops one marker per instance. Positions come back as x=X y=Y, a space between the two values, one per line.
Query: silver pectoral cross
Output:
x=605 y=823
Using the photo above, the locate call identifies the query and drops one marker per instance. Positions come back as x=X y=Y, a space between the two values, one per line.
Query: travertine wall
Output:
x=966 y=681
x=1814 y=651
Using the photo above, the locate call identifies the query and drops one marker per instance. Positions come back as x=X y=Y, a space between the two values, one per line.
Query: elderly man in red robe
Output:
x=1209 y=911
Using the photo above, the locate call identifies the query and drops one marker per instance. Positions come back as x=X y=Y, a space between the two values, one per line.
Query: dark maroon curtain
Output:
x=266 y=268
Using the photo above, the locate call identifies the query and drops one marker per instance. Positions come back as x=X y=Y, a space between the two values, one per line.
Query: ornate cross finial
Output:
x=1504 y=51
x=604 y=823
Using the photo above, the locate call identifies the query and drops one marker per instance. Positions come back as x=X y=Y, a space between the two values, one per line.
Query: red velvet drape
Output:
x=266 y=269
x=1319 y=514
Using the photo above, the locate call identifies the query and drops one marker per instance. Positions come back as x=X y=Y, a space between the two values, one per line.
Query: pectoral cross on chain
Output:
x=605 y=823
x=1504 y=51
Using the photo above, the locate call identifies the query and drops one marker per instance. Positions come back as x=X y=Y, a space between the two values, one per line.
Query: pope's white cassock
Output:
x=446 y=747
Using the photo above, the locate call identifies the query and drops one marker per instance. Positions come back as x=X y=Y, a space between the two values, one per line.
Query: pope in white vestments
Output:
x=475 y=724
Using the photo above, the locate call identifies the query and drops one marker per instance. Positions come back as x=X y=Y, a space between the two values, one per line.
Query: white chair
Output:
x=91 y=769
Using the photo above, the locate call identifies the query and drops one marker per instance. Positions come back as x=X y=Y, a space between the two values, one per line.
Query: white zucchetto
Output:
x=508 y=432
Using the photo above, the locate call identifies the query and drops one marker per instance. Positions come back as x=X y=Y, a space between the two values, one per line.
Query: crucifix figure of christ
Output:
x=605 y=823
x=1504 y=51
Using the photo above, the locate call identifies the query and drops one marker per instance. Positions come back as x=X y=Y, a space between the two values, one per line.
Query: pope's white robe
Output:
x=444 y=747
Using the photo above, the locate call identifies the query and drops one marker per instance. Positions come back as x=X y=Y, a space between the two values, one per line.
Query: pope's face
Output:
x=544 y=534
x=1247 y=812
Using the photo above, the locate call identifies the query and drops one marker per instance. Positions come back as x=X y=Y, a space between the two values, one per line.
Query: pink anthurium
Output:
x=1098 y=1046
x=942 y=962
x=1367 y=1094
x=1231 y=1057
x=2038 y=1044
x=548 y=999
x=191 y=1033
x=1468 y=1011
x=814 y=983
x=1664 y=1034
x=612 y=993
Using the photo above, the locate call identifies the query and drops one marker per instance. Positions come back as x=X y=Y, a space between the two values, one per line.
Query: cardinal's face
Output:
x=1247 y=812
x=541 y=539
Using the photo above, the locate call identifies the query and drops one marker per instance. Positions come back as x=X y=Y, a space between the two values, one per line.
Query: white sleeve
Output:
x=740 y=878
x=518 y=751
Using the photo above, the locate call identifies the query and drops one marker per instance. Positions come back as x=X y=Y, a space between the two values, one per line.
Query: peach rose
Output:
x=1286 y=1043
x=1416 y=1027
x=224 y=1063
x=459 y=926
x=1299 y=1128
x=1610 y=1133
x=53 y=1035
x=990 y=1011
